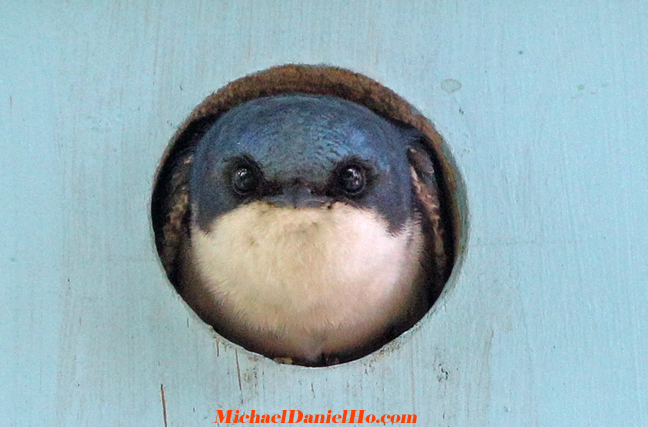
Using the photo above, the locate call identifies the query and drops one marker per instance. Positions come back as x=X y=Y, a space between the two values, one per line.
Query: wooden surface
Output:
x=542 y=104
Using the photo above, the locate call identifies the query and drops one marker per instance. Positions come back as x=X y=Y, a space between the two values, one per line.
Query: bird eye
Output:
x=245 y=180
x=351 y=180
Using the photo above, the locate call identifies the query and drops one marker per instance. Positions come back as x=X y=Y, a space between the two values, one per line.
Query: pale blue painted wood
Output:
x=546 y=322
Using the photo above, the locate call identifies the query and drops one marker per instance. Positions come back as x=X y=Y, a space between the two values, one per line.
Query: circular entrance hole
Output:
x=315 y=250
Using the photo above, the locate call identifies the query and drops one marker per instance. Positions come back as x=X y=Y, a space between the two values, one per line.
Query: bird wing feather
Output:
x=436 y=228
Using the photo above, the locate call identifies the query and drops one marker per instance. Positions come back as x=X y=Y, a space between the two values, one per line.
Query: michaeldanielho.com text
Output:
x=297 y=416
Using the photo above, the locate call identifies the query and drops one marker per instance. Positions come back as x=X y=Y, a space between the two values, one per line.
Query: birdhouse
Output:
x=529 y=159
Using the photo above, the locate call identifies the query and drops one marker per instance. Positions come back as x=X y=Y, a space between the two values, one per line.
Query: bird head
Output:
x=302 y=151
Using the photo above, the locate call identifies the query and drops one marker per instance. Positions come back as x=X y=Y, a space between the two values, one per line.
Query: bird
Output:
x=314 y=228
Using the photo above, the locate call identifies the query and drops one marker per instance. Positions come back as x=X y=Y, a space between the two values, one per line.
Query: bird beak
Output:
x=297 y=196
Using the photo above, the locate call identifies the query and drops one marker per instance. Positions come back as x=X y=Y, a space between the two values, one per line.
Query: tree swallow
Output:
x=315 y=230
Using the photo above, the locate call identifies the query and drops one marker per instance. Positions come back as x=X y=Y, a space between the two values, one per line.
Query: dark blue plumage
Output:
x=296 y=142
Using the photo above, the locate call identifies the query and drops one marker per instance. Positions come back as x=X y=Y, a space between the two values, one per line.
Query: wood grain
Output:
x=543 y=324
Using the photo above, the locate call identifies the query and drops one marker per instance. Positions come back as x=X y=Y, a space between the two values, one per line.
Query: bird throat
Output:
x=278 y=269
